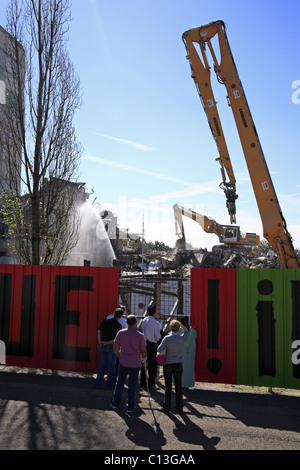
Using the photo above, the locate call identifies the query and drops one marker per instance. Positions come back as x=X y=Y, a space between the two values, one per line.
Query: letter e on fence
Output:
x=2 y=353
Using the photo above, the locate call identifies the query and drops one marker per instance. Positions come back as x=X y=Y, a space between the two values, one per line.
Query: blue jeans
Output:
x=107 y=360
x=132 y=381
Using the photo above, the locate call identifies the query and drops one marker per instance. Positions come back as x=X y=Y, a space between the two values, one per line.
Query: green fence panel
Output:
x=268 y=322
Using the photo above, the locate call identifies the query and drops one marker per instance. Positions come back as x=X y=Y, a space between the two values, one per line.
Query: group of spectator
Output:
x=126 y=351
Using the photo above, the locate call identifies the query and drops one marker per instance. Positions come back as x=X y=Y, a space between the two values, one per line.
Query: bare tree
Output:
x=38 y=137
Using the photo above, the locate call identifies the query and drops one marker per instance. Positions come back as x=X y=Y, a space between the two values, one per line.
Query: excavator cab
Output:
x=229 y=234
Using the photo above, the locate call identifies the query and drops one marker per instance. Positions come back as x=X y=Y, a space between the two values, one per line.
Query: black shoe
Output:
x=130 y=411
x=179 y=410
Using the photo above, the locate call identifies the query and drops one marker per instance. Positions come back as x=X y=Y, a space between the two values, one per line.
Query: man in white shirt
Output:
x=152 y=334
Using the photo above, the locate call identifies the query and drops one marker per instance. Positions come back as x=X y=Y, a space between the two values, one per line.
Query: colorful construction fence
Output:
x=247 y=321
x=248 y=325
x=49 y=315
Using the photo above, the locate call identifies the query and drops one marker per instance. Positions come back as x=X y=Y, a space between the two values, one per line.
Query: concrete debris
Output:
x=226 y=257
x=180 y=262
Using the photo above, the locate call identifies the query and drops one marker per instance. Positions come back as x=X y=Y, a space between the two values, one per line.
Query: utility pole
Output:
x=143 y=232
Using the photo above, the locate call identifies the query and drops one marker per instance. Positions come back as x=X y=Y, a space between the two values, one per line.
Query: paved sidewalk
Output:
x=53 y=410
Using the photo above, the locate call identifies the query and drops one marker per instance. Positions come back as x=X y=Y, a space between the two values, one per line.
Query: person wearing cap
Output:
x=106 y=335
x=151 y=330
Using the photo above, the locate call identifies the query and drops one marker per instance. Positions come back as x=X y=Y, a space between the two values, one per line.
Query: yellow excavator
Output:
x=197 y=41
x=228 y=234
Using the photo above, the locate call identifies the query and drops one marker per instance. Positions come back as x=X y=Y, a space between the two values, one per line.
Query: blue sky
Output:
x=146 y=140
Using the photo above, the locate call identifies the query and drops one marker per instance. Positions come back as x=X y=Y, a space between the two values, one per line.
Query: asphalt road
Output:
x=50 y=411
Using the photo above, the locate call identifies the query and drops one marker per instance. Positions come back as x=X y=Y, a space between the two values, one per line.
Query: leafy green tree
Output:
x=15 y=223
x=157 y=246
x=38 y=139
x=263 y=247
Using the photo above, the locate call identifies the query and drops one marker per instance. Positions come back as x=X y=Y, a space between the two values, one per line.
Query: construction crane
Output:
x=228 y=234
x=274 y=225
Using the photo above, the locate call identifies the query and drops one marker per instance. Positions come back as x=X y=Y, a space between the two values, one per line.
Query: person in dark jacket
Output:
x=107 y=360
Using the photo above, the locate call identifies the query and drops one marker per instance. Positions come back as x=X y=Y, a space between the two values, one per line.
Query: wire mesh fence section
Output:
x=171 y=297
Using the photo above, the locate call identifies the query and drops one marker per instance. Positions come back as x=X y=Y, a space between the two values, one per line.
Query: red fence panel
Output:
x=213 y=315
x=49 y=315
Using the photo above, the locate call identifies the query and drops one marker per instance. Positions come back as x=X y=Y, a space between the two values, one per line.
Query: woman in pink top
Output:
x=130 y=348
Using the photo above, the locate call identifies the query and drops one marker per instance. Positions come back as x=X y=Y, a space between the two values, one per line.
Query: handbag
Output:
x=160 y=358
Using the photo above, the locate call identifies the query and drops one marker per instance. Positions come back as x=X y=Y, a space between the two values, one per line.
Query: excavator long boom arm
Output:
x=274 y=225
x=228 y=234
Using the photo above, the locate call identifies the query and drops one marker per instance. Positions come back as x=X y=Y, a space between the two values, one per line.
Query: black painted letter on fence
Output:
x=266 y=330
x=214 y=364
x=24 y=347
x=64 y=317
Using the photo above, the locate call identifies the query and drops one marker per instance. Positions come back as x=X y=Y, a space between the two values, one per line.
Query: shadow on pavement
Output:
x=62 y=412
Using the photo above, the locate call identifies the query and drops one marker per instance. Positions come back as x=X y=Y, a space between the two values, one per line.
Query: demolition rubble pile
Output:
x=224 y=257
x=179 y=262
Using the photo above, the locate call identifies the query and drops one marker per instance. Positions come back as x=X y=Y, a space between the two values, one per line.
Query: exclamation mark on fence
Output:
x=266 y=330
x=214 y=364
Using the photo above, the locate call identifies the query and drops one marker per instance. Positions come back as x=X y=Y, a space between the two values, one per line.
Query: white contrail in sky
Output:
x=144 y=148
x=124 y=166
